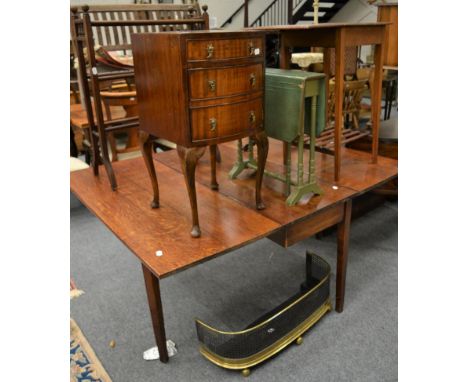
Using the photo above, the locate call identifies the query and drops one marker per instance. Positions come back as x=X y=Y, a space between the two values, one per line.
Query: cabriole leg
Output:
x=188 y=159
x=261 y=140
x=146 y=147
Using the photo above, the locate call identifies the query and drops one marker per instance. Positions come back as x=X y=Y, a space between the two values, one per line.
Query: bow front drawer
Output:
x=222 y=82
x=217 y=49
x=225 y=121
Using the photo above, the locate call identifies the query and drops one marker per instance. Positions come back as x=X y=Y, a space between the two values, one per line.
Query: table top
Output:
x=228 y=217
x=78 y=117
x=326 y=35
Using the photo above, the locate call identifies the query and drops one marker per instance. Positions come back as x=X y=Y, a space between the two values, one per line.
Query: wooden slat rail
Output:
x=115 y=76
x=112 y=25
x=122 y=126
x=122 y=120
x=326 y=140
x=145 y=22
x=141 y=7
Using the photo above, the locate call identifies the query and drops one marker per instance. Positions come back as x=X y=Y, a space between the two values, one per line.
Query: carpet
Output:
x=358 y=345
x=84 y=364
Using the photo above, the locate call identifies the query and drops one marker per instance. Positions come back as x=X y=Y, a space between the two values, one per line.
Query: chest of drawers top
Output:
x=201 y=87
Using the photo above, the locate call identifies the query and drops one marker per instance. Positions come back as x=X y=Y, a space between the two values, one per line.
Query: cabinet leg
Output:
x=188 y=159
x=213 y=151
x=342 y=256
x=218 y=154
x=153 y=293
x=146 y=147
x=261 y=140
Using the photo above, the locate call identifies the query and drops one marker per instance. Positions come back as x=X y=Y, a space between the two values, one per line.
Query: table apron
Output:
x=364 y=36
x=353 y=36
x=305 y=228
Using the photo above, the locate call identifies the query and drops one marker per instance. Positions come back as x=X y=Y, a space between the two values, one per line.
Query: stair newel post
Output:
x=290 y=11
x=246 y=13
x=316 y=8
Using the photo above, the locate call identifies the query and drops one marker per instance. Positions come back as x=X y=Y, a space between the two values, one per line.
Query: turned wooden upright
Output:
x=198 y=89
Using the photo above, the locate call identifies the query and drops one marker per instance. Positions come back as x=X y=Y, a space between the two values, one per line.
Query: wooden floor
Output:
x=228 y=217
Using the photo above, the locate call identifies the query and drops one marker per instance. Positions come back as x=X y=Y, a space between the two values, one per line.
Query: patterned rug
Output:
x=84 y=364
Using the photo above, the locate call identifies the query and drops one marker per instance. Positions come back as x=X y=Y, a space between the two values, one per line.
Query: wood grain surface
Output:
x=127 y=213
x=229 y=217
x=225 y=81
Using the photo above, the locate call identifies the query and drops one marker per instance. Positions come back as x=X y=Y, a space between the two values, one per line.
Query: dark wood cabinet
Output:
x=199 y=89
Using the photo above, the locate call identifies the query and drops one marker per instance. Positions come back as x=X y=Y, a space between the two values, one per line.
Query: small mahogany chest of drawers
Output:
x=198 y=89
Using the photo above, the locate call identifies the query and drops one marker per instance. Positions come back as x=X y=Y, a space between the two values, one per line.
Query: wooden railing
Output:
x=245 y=7
x=277 y=13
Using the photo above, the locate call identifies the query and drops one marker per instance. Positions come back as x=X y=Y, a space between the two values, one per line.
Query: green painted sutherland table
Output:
x=294 y=106
x=230 y=219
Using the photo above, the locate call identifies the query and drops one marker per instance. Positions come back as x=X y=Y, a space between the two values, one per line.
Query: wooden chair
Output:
x=127 y=100
x=353 y=92
x=389 y=88
x=111 y=27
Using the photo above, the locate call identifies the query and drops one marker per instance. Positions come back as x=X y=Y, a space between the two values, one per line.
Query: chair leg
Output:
x=355 y=121
x=73 y=148
x=113 y=146
x=105 y=158
x=95 y=155
x=218 y=154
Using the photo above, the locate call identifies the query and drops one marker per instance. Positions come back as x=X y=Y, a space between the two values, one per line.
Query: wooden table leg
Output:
x=339 y=90
x=376 y=100
x=342 y=255
x=153 y=293
x=284 y=63
x=327 y=72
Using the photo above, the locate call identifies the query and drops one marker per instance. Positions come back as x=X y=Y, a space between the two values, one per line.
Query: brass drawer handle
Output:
x=252 y=79
x=209 y=50
x=251 y=48
x=252 y=116
x=213 y=124
x=212 y=85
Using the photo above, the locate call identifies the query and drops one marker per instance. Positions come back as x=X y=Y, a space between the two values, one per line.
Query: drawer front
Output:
x=224 y=49
x=222 y=82
x=224 y=121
